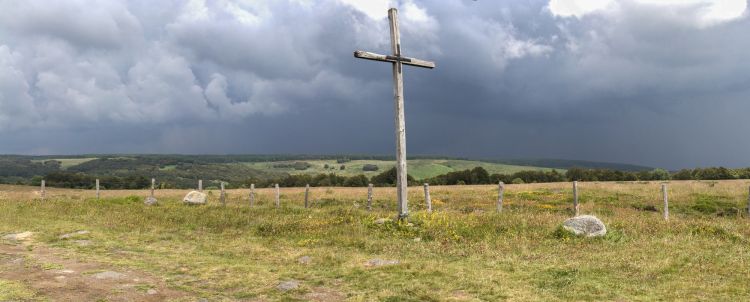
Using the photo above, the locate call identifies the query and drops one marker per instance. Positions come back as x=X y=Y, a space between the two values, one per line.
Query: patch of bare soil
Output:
x=48 y=272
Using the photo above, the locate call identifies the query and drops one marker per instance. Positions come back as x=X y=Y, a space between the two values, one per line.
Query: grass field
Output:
x=464 y=251
x=418 y=168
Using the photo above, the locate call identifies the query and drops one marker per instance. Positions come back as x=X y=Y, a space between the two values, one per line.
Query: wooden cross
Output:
x=398 y=96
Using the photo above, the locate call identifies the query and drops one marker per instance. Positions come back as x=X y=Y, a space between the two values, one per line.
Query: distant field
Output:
x=67 y=162
x=464 y=251
x=418 y=168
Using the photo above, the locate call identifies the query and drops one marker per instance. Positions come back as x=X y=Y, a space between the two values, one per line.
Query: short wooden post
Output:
x=427 y=198
x=576 y=207
x=369 y=197
x=97 y=189
x=278 y=197
x=200 y=185
x=307 y=192
x=153 y=186
x=223 y=196
x=666 y=201
x=43 y=193
x=500 y=193
x=748 y=203
x=252 y=194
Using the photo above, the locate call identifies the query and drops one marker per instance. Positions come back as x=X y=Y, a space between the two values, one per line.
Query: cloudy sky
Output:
x=656 y=82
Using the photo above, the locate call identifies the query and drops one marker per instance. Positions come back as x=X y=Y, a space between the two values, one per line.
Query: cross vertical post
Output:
x=397 y=60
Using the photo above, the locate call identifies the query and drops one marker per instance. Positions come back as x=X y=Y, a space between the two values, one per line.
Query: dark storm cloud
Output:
x=633 y=83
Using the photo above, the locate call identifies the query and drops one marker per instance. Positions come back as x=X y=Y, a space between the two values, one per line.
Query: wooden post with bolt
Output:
x=252 y=194
x=278 y=197
x=307 y=193
x=576 y=206
x=43 y=192
x=500 y=193
x=665 y=194
x=427 y=199
x=369 y=197
x=223 y=196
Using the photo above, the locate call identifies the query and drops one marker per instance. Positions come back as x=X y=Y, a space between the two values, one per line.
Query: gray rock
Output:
x=585 y=225
x=152 y=291
x=305 y=260
x=150 y=201
x=381 y=262
x=288 y=285
x=18 y=236
x=195 y=197
x=108 y=275
x=74 y=234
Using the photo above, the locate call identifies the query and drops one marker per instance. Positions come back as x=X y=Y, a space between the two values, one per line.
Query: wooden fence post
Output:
x=427 y=199
x=252 y=194
x=307 y=192
x=576 y=207
x=369 y=197
x=748 y=202
x=43 y=193
x=97 y=189
x=666 y=201
x=278 y=197
x=200 y=185
x=500 y=193
x=153 y=186
x=222 y=196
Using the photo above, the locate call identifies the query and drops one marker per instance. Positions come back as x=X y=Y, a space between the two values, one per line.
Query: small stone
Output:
x=108 y=275
x=150 y=201
x=305 y=260
x=195 y=197
x=288 y=285
x=18 y=236
x=74 y=234
x=381 y=262
x=66 y=271
x=151 y=291
x=585 y=225
x=382 y=220
x=59 y=278
x=417 y=239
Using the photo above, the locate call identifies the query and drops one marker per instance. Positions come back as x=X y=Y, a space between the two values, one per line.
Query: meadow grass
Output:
x=464 y=251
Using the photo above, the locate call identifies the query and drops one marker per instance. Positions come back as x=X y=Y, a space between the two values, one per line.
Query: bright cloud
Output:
x=707 y=11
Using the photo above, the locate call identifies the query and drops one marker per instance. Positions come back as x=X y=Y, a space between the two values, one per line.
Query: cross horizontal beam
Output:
x=393 y=59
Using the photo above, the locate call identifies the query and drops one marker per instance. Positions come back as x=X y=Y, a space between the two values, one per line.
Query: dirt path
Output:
x=55 y=277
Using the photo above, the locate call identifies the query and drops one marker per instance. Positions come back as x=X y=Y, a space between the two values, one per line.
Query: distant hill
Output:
x=182 y=171
x=567 y=164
